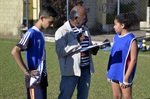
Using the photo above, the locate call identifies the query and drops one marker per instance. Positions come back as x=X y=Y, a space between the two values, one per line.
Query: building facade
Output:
x=11 y=13
x=101 y=13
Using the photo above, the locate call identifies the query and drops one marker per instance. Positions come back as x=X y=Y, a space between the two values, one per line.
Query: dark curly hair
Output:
x=128 y=19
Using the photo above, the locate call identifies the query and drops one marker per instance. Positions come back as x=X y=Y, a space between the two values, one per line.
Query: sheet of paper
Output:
x=36 y=78
x=33 y=80
x=92 y=46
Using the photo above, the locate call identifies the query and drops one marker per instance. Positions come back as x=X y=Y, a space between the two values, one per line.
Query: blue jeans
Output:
x=68 y=84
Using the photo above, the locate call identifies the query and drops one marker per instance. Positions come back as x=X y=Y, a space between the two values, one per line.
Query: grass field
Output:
x=12 y=84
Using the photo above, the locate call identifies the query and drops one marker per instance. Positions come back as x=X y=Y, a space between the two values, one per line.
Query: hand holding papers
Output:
x=92 y=46
x=37 y=78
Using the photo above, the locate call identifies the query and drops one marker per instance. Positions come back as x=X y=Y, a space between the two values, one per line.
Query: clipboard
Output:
x=92 y=46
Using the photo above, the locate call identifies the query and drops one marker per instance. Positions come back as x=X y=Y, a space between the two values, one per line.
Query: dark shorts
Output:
x=37 y=91
x=116 y=81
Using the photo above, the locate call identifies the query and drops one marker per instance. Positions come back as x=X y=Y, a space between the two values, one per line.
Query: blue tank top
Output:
x=118 y=58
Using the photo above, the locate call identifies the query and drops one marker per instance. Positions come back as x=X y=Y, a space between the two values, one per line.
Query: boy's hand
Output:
x=33 y=73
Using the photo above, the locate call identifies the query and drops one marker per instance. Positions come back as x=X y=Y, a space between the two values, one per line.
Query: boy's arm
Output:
x=16 y=52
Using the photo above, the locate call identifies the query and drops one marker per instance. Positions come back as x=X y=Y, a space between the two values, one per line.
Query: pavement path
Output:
x=102 y=37
x=95 y=38
x=110 y=36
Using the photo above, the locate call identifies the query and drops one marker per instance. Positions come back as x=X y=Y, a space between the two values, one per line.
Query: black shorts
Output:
x=116 y=81
x=37 y=91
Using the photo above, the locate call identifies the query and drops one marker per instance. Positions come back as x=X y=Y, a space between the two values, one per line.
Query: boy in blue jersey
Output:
x=34 y=44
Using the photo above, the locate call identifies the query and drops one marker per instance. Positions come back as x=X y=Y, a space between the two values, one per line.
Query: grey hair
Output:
x=74 y=14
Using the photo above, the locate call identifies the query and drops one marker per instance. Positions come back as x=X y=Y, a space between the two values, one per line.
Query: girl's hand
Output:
x=125 y=83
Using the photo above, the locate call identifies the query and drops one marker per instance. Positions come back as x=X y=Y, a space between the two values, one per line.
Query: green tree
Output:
x=60 y=7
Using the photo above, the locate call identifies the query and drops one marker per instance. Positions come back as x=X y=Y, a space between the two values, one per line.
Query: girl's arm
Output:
x=133 y=57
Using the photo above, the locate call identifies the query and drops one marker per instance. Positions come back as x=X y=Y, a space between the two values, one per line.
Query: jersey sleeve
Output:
x=24 y=42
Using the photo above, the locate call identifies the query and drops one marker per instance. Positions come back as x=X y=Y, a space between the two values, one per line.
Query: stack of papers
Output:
x=92 y=46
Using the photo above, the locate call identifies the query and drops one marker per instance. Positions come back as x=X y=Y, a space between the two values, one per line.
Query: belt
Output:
x=85 y=67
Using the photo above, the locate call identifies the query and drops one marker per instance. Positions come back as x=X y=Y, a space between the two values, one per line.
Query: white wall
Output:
x=11 y=12
x=90 y=5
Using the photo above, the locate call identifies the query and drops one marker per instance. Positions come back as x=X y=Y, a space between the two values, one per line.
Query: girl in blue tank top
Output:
x=123 y=56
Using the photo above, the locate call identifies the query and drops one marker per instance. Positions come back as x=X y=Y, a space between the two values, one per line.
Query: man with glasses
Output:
x=76 y=67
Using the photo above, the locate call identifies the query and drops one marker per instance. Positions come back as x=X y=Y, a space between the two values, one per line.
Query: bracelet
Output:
x=126 y=83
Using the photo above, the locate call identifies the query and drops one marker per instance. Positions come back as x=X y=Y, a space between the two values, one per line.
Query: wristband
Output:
x=126 y=83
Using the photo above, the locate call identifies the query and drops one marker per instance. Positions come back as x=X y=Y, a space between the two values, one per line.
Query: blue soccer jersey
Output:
x=119 y=58
x=33 y=43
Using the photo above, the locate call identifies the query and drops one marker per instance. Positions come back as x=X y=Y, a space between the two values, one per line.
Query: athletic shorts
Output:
x=37 y=93
x=116 y=81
